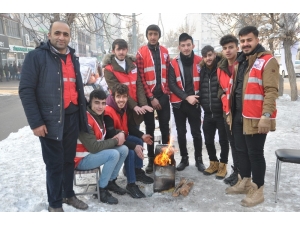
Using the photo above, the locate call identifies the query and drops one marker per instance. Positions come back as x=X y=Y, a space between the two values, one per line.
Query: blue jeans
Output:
x=112 y=159
x=132 y=161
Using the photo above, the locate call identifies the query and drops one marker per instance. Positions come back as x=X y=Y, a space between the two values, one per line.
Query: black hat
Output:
x=153 y=27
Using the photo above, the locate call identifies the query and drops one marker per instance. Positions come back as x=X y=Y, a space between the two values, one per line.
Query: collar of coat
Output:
x=110 y=59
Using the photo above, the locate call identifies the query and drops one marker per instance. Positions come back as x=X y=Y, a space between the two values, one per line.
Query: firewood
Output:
x=178 y=186
x=186 y=187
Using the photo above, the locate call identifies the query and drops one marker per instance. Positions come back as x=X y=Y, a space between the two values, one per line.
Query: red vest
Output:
x=226 y=84
x=69 y=78
x=149 y=67
x=81 y=151
x=119 y=122
x=196 y=77
x=127 y=79
x=254 y=92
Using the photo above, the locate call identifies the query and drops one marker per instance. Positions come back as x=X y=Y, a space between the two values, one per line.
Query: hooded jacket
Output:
x=111 y=79
x=41 y=91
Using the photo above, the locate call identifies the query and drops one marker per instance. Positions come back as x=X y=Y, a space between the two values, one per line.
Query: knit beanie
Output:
x=155 y=28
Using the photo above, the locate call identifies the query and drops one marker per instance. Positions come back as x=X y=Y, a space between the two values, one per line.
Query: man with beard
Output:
x=153 y=65
x=184 y=86
x=115 y=118
x=213 y=113
x=253 y=113
x=51 y=92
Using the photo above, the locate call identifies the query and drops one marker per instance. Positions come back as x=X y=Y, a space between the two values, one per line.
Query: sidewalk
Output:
x=9 y=88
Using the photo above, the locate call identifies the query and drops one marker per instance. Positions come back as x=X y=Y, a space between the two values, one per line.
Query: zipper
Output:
x=209 y=93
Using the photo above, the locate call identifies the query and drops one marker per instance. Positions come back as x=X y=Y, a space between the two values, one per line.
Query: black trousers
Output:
x=163 y=119
x=192 y=113
x=210 y=125
x=250 y=149
x=59 y=159
x=232 y=146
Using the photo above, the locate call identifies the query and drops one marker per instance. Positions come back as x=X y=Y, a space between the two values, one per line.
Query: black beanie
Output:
x=153 y=27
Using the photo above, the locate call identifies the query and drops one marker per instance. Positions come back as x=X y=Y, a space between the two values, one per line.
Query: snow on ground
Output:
x=23 y=184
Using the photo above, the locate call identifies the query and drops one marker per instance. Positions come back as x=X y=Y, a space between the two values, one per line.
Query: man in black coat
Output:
x=52 y=95
x=6 y=72
x=213 y=113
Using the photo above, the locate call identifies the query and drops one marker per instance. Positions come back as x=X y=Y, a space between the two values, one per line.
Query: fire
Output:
x=164 y=157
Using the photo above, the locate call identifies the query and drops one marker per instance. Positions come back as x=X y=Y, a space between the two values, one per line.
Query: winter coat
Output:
x=270 y=82
x=209 y=87
x=41 y=91
x=111 y=79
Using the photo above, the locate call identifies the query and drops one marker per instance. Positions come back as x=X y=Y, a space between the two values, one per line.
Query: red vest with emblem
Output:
x=149 y=67
x=81 y=151
x=127 y=79
x=196 y=77
x=69 y=78
x=119 y=122
x=254 y=92
x=226 y=82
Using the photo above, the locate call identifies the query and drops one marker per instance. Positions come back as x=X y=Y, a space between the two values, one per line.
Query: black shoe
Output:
x=112 y=186
x=149 y=168
x=106 y=197
x=141 y=176
x=233 y=178
x=183 y=163
x=199 y=164
x=134 y=191
x=50 y=209
x=75 y=202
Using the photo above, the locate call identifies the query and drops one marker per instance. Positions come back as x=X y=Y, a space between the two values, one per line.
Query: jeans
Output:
x=132 y=161
x=250 y=149
x=232 y=145
x=112 y=159
x=163 y=119
x=193 y=114
x=59 y=159
x=210 y=125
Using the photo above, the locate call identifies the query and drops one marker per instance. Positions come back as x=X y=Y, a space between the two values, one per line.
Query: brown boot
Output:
x=241 y=187
x=222 y=171
x=213 y=168
x=254 y=196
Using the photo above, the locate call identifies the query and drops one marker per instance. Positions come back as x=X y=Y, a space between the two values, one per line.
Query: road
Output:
x=12 y=116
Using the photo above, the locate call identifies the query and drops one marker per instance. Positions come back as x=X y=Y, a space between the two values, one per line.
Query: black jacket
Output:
x=209 y=87
x=41 y=91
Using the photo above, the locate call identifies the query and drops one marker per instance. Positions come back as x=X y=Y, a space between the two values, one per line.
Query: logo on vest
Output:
x=134 y=70
x=198 y=68
x=165 y=56
x=258 y=64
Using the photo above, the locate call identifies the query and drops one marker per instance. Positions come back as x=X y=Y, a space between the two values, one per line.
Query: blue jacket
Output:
x=41 y=91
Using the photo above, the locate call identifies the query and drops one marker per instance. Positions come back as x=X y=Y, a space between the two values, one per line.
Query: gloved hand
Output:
x=264 y=125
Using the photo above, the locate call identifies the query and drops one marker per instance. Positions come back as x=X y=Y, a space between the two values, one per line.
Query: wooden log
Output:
x=186 y=187
x=178 y=186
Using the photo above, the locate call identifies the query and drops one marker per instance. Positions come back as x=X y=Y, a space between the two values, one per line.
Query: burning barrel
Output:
x=164 y=168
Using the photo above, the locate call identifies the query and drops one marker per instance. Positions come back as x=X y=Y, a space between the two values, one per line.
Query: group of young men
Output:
x=236 y=90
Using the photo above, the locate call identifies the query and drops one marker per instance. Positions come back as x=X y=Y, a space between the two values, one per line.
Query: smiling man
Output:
x=184 y=77
x=252 y=113
x=51 y=92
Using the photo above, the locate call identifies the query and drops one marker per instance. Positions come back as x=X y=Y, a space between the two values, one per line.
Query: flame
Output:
x=164 y=157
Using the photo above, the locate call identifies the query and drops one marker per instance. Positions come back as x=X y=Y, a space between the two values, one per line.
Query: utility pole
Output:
x=134 y=36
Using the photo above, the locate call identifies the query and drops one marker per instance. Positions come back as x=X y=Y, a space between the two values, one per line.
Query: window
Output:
x=30 y=33
x=1 y=26
x=12 y=28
